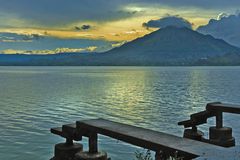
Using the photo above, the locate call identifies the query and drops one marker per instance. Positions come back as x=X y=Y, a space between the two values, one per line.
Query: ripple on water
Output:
x=34 y=99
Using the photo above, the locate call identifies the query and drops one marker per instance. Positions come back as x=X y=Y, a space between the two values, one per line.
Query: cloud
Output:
x=222 y=15
x=60 y=12
x=168 y=21
x=83 y=27
x=210 y=4
x=11 y=42
x=12 y=37
x=118 y=44
x=226 y=27
x=54 y=51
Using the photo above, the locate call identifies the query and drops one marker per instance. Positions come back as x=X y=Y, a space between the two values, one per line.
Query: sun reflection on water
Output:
x=125 y=94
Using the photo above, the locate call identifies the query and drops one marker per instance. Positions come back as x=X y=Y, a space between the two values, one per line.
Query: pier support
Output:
x=93 y=153
x=66 y=151
x=193 y=133
x=218 y=135
x=221 y=136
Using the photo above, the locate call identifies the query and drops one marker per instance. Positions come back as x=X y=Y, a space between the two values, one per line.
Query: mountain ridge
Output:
x=168 y=35
x=167 y=46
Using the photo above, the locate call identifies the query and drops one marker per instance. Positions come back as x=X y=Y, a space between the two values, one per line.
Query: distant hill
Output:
x=232 y=59
x=172 y=46
x=167 y=46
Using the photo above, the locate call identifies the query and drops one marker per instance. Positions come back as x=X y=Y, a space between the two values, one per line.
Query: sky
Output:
x=103 y=23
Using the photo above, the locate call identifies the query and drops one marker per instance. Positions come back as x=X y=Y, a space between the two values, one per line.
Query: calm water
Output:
x=34 y=99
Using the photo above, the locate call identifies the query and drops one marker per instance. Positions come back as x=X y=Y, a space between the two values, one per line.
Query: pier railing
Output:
x=192 y=145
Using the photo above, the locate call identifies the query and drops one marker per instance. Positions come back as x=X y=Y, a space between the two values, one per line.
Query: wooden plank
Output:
x=149 y=139
x=222 y=107
x=57 y=131
x=197 y=119
x=69 y=131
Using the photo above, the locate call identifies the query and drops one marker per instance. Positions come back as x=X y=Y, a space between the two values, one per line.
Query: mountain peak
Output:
x=176 y=41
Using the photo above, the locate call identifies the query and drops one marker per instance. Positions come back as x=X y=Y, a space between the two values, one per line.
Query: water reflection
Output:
x=124 y=94
x=33 y=99
x=197 y=87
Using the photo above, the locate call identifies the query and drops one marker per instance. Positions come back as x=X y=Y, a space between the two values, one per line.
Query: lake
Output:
x=34 y=99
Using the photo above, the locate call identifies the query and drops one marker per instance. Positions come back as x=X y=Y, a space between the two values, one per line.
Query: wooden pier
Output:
x=159 y=142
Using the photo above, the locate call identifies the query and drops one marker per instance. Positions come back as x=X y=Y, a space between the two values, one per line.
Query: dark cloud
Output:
x=83 y=27
x=168 y=21
x=226 y=27
x=209 y=4
x=55 y=12
x=77 y=28
x=60 y=12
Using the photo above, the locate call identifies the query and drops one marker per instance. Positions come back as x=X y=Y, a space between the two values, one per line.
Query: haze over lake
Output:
x=34 y=99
